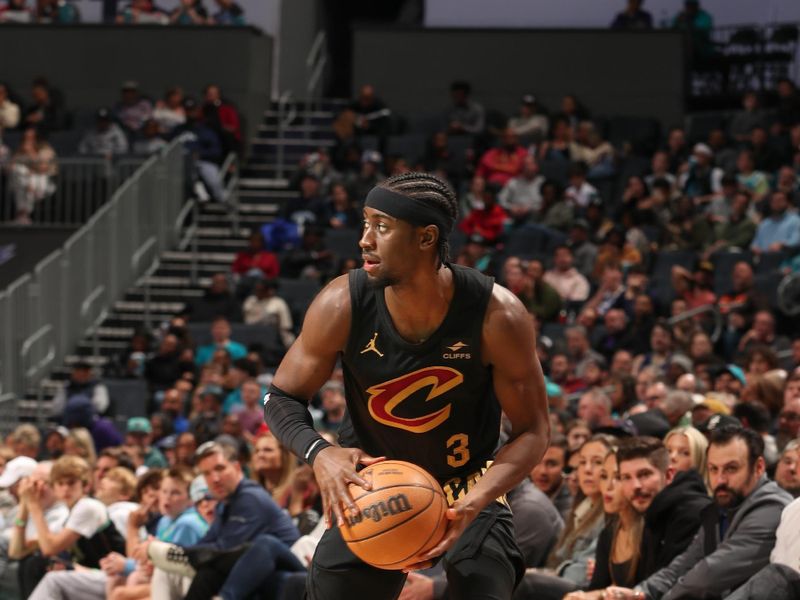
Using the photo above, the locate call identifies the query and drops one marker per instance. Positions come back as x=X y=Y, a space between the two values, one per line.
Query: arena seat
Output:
x=343 y=242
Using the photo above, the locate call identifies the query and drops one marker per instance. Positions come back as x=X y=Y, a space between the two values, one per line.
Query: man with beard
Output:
x=548 y=475
x=670 y=502
x=737 y=530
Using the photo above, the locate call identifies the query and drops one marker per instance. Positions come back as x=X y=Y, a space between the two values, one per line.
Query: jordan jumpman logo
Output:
x=371 y=347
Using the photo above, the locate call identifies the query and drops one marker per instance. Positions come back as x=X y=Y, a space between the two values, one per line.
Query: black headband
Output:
x=405 y=208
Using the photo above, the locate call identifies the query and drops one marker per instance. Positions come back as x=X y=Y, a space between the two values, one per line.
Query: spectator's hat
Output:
x=681 y=360
x=371 y=156
x=16 y=469
x=581 y=224
x=477 y=238
x=553 y=390
x=715 y=405
x=703 y=149
x=59 y=429
x=189 y=103
x=735 y=371
x=715 y=421
x=79 y=412
x=529 y=100
x=130 y=84
x=139 y=425
x=199 y=489
x=168 y=442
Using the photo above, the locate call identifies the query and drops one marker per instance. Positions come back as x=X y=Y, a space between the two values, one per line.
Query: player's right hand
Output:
x=334 y=469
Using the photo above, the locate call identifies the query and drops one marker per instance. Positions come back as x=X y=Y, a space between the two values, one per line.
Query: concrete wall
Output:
x=88 y=62
x=627 y=73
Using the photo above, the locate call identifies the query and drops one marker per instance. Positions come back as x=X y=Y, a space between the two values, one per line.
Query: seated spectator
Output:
x=218 y=300
x=567 y=281
x=273 y=467
x=633 y=17
x=250 y=412
x=149 y=140
x=780 y=579
x=521 y=196
x=133 y=109
x=142 y=12
x=487 y=221
x=205 y=148
x=221 y=115
x=538 y=296
x=530 y=121
x=737 y=230
x=32 y=168
x=736 y=529
x=172 y=405
x=307 y=207
x=789 y=417
x=751 y=115
x=334 y=406
x=256 y=261
x=229 y=13
x=749 y=178
x=789 y=183
x=96 y=433
x=787 y=473
x=266 y=307
x=25 y=441
x=185 y=446
x=338 y=211
x=766 y=157
x=614 y=335
x=580 y=192
x=246 y=514
x=108 y=459
x=189 y=12
x=687 y=450
x=206 y=422
x=702 y=179
x=139 y=434
x=16 y=11
x=9 y=111
x=590 y=149
x=662 y=340
x=660 y=169
x=106 y=139
x=611 y=292
x=169 y=112
x=370 y=114
x=116 y=490
x=221 y=340
x=164 y=368
x=584 y=251
x=499 y=165
x=557 y=212
x=464 y=116
x=46 y=111
x=87 y=533
x=780 y=229
x=82 y=383
x=576 y=547
x=548 y=475
x=56 y=11
x=763 y=333
x=594 y=408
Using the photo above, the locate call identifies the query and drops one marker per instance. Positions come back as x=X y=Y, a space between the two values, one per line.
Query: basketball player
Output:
x=431 y=353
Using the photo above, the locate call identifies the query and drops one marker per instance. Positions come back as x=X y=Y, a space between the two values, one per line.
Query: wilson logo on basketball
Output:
x=395 y=505
x=386 y=397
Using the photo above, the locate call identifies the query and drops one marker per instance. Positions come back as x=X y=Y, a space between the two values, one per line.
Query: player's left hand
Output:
x=459 y=516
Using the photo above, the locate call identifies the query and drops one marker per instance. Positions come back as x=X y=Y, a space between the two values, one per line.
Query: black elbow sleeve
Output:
x=289 y=420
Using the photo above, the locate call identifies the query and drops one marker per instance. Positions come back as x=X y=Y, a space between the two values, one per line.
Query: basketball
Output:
x=402 y=516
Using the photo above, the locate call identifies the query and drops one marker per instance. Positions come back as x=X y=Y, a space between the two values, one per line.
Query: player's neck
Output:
x=418 y=306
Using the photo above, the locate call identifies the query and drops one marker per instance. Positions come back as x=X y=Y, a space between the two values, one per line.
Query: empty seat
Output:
x=533 y=241
x=128 y=398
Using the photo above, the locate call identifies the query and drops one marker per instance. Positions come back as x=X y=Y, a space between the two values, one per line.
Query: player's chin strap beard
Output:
x=413 y=210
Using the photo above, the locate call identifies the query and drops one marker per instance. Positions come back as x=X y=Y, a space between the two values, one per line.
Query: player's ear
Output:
x=429 y=236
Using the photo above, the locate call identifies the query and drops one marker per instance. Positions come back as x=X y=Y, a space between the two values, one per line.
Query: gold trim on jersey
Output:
x=458 y=487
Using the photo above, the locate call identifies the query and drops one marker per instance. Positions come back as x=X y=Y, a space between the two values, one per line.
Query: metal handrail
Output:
x=230 y=166
x=284 y=120
x=699 y=310
x=316 y=61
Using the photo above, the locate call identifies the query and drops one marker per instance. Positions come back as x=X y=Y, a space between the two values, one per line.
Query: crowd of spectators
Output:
x=135 y=126
x=135 y=12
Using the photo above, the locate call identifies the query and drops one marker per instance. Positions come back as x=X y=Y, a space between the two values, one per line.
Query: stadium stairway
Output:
x=261 y=193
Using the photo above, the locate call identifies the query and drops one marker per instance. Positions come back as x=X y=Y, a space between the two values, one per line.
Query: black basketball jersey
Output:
x=433 y=403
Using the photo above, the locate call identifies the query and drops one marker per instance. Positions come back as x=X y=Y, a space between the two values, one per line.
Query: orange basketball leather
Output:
x=401 y=517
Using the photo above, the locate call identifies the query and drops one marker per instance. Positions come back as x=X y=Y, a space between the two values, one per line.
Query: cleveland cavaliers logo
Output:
x=385 y=397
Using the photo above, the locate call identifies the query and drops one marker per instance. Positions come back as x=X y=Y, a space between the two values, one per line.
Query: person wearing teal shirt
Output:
x=221 y=338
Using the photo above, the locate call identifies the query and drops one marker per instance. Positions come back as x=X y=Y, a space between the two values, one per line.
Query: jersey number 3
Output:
x=458 y=454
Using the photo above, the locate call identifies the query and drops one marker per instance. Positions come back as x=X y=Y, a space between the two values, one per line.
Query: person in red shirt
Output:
x=500 y=164
x=488 y=221
x=223 y=118
x=256 y=260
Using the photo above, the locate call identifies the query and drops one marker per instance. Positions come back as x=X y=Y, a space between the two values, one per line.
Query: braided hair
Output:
x=430 y=188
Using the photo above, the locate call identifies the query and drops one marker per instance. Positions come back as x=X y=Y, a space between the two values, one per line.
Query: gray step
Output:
x=123 y=306
x=95 y=361
x=185 y=267
x=170 y=292
x=293 y=142
x=174 y=282
x=222 y=220
x=253 y=208
x=263 y=183
x=207 y=232
x=319 y=114
x=202 y=257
